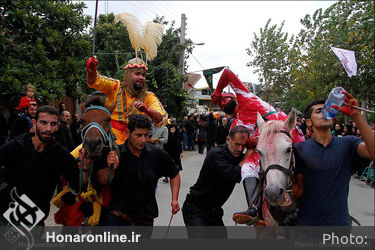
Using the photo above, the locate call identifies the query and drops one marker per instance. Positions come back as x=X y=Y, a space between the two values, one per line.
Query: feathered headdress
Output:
x=147 y=38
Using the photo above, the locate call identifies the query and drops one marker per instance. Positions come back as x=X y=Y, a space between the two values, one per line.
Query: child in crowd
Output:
x=28 y=98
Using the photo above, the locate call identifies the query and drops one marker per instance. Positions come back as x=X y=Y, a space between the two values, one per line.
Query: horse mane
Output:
x=94 y=101
x=270 y=127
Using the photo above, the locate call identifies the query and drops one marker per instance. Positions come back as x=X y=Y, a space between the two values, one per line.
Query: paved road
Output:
x=361 y=197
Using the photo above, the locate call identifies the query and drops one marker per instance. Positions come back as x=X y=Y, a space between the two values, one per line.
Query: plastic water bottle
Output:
x=336 y=97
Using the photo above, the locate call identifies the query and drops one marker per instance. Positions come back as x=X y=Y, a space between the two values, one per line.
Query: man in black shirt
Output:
x=220 y=172
x=23 y=123
x=133 y=185
x=34 y=162
x=189 y=128
x=63 y=135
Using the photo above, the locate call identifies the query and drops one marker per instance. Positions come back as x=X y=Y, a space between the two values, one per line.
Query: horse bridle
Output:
x=107 y=138
x=287 y=171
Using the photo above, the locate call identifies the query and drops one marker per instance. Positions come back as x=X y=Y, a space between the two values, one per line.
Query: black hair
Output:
x=138 y=121
x=46 y=109
x=238 y=129
x=230 y=106
x=309 y=109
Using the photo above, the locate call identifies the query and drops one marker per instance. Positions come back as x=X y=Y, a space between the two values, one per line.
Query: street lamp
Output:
x=181 y=65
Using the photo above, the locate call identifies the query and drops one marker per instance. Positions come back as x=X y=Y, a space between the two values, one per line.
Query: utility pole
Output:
x=181 y=65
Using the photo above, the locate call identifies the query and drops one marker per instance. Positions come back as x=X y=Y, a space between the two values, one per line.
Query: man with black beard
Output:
x=130 y=95
x=34 y=162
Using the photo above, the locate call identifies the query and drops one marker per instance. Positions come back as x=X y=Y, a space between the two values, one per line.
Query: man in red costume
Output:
x=244 y=106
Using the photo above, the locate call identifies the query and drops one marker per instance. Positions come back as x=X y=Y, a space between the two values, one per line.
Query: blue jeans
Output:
x=185 y=140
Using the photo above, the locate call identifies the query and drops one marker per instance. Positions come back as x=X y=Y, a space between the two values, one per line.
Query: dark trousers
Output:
x=191 y=141
x=201 y=146
x=196 y=220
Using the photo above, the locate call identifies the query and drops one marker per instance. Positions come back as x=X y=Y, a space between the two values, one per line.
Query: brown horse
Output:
x=98 y=141
x=96 y=127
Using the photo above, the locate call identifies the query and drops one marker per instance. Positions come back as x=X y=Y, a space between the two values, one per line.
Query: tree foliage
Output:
x=270 y=53
x=310 y=65
x=42 y=42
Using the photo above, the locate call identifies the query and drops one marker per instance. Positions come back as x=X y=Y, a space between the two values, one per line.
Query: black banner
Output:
x=208 y=75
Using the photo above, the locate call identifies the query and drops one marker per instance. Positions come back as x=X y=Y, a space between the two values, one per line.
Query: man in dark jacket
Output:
x=220 y=172
x=23 y=123
x=222 y=132
x=63 y=135
x=33 y=164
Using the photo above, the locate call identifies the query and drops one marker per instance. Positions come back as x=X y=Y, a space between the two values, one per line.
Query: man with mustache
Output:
x=220 y=172
x=34 y=162
x=130 y=95
x=133 y=183
x=244 y=107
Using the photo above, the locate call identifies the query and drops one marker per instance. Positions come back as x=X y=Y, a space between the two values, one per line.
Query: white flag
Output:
x=347 y=58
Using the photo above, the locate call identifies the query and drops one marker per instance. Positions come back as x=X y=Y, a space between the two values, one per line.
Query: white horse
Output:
x=275 y=147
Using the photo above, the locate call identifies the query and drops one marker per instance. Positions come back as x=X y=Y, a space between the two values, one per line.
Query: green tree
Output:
x=42 y=42
x=269 y=51
x=312 y=69
x=345 y=24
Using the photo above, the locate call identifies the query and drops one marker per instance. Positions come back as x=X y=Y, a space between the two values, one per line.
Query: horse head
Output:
x=96 y=126
x=275 y=148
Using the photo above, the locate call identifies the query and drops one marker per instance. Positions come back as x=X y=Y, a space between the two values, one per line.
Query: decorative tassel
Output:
x=69 y=215
x=94 y=218
x=57 y=201
x=152 y=39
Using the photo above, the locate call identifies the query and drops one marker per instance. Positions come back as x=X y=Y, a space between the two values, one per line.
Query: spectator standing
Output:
x=337 y=131
x=222 y=132
x=63 y=135
x=23 y=123
x=75 y=130
x=173 y=146
x=201 y=133
x=185 y=136
x=211 y=130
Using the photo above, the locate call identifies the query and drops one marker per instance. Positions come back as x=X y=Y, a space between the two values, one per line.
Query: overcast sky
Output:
x=226 y=27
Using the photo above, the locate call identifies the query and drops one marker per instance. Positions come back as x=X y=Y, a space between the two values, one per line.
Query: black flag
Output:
x=208 y=75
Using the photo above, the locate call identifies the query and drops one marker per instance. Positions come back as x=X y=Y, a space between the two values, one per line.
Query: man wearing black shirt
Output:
x=189 y=128
x=141 y=165
x=23 y=123
x=34 y=162
x=220 y=172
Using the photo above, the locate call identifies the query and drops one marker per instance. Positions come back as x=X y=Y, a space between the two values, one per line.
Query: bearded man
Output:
x=130 y=95
x=33 y=164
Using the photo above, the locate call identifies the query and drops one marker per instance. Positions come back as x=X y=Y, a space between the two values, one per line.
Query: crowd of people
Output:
x=149 y=146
